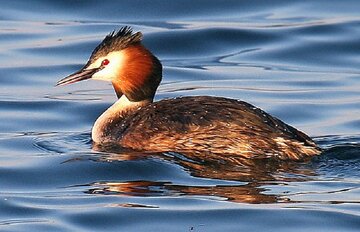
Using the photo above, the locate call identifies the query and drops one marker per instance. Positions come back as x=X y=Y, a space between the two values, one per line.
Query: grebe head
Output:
x=121 y=58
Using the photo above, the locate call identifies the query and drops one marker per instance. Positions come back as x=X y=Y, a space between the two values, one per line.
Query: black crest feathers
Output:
x=116 y=41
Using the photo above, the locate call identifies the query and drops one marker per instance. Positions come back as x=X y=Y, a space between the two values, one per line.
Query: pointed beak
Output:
x=83 y=74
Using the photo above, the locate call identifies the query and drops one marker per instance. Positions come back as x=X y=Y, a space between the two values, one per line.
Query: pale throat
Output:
x=124 y=104
x=113 y=113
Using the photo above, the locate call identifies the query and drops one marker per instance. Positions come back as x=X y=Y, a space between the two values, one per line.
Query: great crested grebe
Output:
x=199 y=124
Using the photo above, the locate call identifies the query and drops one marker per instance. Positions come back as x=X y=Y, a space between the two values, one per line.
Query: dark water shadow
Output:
x=244 y=180
x=246 y=186
x=249 y=179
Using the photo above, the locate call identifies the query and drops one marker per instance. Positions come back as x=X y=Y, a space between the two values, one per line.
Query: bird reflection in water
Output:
x=248 y=179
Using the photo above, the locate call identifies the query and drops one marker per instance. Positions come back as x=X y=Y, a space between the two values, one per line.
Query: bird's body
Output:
x=201 y=124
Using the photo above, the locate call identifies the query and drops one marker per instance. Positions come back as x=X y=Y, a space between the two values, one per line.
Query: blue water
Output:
x=298 y=60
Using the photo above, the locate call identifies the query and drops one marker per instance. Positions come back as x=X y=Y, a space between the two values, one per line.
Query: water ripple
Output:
x=297 y=60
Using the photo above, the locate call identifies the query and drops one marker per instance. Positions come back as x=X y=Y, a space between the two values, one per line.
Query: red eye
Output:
x=105 y=62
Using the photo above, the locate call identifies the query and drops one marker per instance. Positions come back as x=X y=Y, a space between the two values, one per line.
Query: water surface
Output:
x=298 y=60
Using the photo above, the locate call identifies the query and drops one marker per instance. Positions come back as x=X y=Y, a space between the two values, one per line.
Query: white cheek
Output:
x=111 y=70
x=106 y=74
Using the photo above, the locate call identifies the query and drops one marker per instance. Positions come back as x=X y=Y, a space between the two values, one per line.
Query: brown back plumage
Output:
x=210 y=125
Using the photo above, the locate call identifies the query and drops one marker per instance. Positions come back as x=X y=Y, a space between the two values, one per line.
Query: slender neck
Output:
x=124 y=105
x=107 y=123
